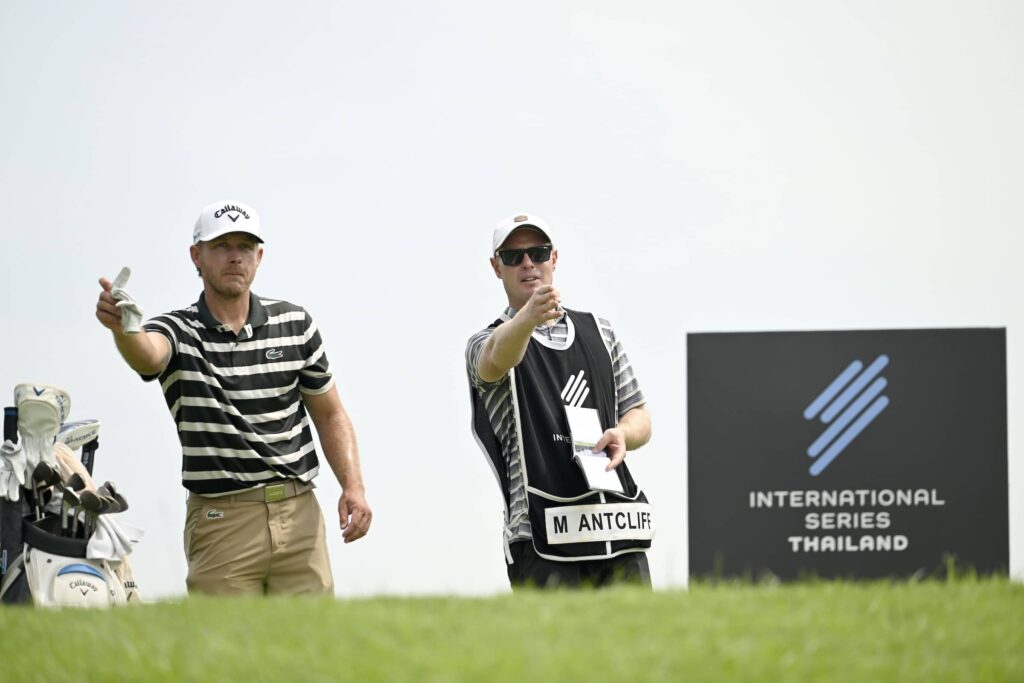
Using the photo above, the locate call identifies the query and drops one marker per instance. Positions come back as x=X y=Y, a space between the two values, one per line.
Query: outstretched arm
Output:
x=147 y=353
x=507 y=344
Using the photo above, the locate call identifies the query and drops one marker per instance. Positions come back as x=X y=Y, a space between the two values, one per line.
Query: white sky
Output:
x=708 y=166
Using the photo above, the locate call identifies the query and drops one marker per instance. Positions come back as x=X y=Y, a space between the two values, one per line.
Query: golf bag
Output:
x=40 y=562
x=53 y=571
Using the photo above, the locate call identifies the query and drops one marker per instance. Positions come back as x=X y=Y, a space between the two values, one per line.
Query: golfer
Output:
x=527 y=370
x=243 y=376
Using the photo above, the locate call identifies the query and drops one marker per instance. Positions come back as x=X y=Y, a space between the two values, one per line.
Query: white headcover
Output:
x=42 y=408
x=78 y=433
x=67 y=464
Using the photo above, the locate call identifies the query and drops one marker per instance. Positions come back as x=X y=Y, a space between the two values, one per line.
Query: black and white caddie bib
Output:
x=569 y=521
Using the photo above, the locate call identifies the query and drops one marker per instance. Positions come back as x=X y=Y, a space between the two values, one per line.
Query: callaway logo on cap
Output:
x=223 y=217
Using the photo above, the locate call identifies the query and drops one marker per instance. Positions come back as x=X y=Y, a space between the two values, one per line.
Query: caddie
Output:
x=533 y=371
x=243 y=377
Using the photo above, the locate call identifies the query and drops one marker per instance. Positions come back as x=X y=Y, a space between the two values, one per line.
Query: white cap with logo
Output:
x=520 y=220
x=223 y=217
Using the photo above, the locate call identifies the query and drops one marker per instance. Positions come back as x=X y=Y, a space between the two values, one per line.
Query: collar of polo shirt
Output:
x=257 y=315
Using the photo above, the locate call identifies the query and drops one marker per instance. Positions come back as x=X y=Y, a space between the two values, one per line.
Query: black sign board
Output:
x=847 y=454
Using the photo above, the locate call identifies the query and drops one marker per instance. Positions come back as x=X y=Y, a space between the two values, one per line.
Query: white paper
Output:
x=584 y=425
x=593 y=466
x=585 y=430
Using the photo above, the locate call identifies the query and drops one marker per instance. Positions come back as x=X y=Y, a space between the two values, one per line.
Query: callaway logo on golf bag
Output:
x=59 y=581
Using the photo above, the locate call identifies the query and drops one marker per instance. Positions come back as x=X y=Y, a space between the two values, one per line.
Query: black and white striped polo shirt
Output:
x=236 y=399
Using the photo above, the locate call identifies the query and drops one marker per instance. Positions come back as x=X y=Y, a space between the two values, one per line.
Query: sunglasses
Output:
x=513 y=257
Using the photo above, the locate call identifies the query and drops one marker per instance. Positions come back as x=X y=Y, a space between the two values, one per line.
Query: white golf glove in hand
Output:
x=12 y=470
x=131 y=312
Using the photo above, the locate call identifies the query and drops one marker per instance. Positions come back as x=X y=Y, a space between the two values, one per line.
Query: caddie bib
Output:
x=570 y=521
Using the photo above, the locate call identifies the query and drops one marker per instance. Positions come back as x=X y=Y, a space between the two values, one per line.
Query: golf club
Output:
x=65 y=508
x=43 y=477
x=107 y=489
x=76 y=483
x=92 y=504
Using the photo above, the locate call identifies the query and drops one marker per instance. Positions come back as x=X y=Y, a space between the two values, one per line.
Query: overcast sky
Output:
x=708 y=166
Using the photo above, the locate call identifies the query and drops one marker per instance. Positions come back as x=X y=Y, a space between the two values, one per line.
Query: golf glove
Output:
x=13 y=457
x=9 y=487
x=12 y=470
x=131 y=312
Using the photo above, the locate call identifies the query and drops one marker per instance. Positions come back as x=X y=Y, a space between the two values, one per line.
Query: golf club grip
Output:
x=89 y=454
x=11 y=424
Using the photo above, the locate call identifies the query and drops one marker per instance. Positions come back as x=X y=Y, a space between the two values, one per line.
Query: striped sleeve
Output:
x=164 y=325
x=474 y=347
x=627 y=387
x=315 y=376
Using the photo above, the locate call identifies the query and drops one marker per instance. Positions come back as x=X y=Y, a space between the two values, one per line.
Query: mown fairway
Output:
x=961 y=631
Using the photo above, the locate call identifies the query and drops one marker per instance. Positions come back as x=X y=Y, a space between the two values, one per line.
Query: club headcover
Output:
x=69 y=465
x=78 y=433
x=65 y=461
x=42 y=408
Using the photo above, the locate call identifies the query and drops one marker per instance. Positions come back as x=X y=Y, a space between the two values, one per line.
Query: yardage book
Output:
x=585 y=431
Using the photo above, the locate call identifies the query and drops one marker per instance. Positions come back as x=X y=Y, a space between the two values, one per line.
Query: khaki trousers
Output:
x=247 y=547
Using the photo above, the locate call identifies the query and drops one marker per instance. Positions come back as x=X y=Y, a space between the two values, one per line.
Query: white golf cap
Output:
x=226 y=216
x=520 y=220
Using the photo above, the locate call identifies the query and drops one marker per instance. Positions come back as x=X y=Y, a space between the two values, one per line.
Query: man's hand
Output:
x=354 y=514
x=542 y=306
x=506 y=346
x=146 y=353
x=128 y=309
x=107 y=311
x=612 y=442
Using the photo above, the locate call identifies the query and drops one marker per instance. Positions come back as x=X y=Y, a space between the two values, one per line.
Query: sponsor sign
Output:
x=847 y=454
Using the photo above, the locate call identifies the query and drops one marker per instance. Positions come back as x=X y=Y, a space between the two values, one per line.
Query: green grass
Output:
x=966 y=630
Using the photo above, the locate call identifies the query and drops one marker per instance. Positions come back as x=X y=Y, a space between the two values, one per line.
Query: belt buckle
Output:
x=273 y=493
